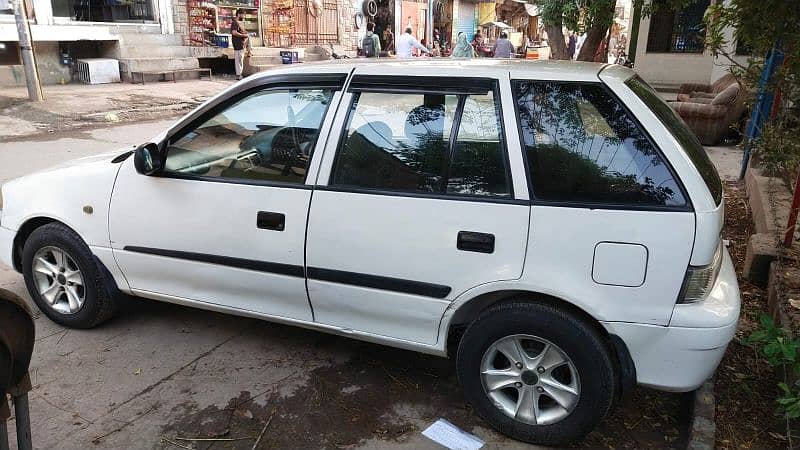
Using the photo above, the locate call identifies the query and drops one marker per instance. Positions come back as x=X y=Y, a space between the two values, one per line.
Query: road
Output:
x=159 y=373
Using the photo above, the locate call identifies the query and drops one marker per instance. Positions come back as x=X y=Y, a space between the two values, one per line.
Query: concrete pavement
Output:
x=159 y=374
x=75 y=106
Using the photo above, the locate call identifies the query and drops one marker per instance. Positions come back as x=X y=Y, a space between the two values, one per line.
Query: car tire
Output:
x=500 y=389
x=93 y=301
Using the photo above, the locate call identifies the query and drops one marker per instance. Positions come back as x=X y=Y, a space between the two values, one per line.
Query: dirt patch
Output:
x=390 y=394
x=124 y=108
x=745 y=386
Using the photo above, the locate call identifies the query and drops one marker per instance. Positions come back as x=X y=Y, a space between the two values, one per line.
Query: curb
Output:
x=703 y=431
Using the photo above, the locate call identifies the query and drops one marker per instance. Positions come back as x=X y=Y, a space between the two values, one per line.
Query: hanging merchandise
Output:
x=210 y=21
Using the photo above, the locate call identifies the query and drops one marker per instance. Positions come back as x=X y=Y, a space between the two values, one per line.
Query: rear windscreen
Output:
x=691 y=145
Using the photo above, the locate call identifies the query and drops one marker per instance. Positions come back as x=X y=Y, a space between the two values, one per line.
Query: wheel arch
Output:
x=467 y=311
x=32 y=224
x=24 y=232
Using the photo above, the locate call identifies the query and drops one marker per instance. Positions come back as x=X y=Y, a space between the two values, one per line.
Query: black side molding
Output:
x=379 y=282
x=239 y=263
x=315 y=273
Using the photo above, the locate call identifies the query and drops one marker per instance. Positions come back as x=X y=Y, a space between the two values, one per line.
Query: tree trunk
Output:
x=594 y=37
x=558 y=48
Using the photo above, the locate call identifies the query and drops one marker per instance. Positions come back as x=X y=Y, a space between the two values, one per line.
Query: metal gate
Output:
x=308 y=29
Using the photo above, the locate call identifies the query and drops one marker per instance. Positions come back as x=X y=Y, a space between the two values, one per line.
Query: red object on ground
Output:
x=789 y=236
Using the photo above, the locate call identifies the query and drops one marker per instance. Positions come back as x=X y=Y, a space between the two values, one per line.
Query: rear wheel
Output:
x=63 y=278
x=536 y=373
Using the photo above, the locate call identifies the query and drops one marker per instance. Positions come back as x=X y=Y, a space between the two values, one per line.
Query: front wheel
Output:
x=536 y=373
x=63 y=278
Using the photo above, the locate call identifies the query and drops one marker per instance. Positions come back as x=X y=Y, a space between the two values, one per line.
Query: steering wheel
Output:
x=295 y=140
x=286 y=151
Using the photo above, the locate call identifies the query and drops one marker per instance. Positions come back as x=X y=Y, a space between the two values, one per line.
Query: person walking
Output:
x=239 y=37
x=406 y=43
x=371 y=45
x=462 y=49
x=503 y=48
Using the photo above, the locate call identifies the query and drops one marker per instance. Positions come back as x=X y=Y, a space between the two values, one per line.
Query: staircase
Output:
x=150 y=51
x=265 y=58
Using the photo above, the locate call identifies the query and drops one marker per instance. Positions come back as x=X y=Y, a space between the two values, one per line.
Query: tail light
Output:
x=700 y=280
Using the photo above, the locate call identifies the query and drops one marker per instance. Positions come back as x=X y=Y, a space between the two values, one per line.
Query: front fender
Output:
x=76 y=194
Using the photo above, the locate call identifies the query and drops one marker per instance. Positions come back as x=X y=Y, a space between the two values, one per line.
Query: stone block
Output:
x=762 y=192
x=761 y=250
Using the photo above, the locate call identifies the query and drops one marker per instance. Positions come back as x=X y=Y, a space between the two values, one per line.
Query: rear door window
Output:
x=424 y=143
x=583 y=147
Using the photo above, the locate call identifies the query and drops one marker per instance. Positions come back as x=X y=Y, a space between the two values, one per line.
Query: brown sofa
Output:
x=711 y=109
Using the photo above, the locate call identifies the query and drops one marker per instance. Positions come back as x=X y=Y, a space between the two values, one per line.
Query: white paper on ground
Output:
x=452 y=437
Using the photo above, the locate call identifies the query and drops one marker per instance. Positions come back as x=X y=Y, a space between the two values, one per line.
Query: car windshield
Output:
x=688 y=141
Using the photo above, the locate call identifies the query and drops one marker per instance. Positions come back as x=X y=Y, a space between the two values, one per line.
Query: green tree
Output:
x=591 y=16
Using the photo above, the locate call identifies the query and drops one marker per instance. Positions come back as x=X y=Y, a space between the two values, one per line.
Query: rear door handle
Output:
x=267 y=220
x=471 y=241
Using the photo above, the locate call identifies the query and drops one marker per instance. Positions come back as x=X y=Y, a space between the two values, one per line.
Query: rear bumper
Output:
x=681 y=356
x=6 y=246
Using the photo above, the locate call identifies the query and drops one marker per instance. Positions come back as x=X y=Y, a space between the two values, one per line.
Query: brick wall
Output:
x=181 y=19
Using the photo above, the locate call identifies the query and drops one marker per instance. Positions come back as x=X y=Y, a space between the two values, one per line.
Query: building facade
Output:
x=670 y=47
x=179 y=34
x=64 y=29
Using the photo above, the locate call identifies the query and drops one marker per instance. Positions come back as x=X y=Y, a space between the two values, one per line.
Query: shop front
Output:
x=292 y=23
x=210 y=21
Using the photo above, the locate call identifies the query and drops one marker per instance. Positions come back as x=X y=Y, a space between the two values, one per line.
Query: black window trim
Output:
x=421 y=84
x=597 y=205
x=405 y=88
x=326 y=81
x=683 y=149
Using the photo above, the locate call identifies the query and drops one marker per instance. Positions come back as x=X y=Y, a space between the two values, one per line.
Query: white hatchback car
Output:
x=553 y=226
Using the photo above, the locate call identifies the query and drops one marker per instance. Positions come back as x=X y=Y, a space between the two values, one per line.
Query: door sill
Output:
x=436 y=350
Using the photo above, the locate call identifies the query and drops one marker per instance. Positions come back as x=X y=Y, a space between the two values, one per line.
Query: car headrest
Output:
x=378 y=133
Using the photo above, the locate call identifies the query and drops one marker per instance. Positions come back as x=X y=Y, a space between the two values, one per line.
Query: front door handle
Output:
x=471 y=241
x=267 y=220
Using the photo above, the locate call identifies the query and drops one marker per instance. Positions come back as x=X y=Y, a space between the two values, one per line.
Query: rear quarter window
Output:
x=676 y=126
x=583 y=148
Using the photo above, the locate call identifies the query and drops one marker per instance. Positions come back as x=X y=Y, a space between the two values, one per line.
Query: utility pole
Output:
x=26 y=47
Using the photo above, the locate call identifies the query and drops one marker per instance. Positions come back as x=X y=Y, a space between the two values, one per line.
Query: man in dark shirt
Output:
x=239 y=37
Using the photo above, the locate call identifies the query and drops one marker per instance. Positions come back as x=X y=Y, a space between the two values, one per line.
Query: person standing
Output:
x=503 y=48
x=477 y=43
x=239 y=37
x=388 y=39
x=406 y=43
x=463 y=49
x=371 y=45
x=573 y=42
x=477 y=40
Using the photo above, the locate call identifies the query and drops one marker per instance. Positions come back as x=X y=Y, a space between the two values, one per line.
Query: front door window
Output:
x=264 y=136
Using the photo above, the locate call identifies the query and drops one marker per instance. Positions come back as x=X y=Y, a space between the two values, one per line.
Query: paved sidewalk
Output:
x=74 y=106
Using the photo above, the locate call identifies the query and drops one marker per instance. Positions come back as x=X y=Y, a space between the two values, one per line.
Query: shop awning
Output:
x=495 y=24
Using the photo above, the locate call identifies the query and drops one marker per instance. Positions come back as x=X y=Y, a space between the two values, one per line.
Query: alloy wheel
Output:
x=530 y=379
x=59 y=280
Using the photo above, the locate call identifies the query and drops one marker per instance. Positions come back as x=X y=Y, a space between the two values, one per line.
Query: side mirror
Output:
x=148 y=159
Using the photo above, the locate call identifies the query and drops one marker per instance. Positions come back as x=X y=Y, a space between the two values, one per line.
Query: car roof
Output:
x=479 y=67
